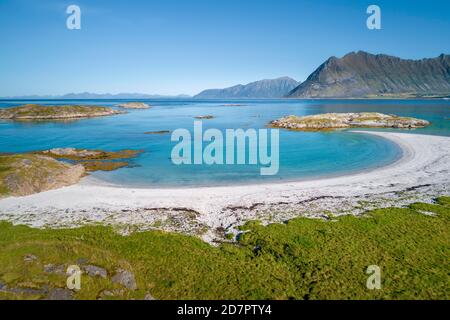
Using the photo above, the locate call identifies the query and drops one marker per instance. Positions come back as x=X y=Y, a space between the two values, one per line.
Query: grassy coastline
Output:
x=301 y=259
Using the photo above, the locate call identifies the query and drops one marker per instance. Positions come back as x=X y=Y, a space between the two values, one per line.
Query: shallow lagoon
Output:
x=303 y=155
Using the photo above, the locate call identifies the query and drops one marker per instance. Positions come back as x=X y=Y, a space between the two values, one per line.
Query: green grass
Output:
x=301 y=259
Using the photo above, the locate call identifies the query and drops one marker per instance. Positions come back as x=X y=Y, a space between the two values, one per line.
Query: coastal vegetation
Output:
x=93 y=160
x=66 y=112
x=24 y=174
x=28 y=173
x=84 y=155
x=299 y=259
x=329 y=121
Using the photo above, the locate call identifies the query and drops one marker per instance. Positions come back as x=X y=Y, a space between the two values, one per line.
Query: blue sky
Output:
x=172 y=47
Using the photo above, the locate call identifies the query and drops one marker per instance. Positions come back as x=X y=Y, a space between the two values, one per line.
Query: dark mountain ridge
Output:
x=364 y=75
x=268 y=88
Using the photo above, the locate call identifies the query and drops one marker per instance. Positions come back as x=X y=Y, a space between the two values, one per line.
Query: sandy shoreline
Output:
x=423 y=171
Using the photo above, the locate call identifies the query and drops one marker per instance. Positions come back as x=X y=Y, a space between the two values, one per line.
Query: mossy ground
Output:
x=301 y=259
x=40 y=111
x=100 y=160
x=26 y=169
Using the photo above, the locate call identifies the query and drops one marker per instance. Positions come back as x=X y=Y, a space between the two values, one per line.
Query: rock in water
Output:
x=134 y=105
x=40 y=112
x=329 y=121
x=204 y=117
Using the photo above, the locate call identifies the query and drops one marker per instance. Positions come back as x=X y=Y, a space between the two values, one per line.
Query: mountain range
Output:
x=268 y=88
x=90 y=95
x=364 y=75
x=355 y=75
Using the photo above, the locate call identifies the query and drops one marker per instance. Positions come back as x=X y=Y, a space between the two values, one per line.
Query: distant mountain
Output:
x=364 y=75
x=269 y=88
x=89 y=95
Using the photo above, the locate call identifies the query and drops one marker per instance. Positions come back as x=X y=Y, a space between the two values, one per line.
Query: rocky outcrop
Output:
x=93 y=160
x=364 y=75
x=67 y=112
x=207 y=117
x=134 y=105
x=28 y=173
x=157 y=132
x=25 y=174
x=125 y=278
x=329 y=121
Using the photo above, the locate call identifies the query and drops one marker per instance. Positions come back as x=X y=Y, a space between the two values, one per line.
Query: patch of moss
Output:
x=91 y=166
x=301 y=259
x=36 y=111
x=24 y=174
x=95 y=155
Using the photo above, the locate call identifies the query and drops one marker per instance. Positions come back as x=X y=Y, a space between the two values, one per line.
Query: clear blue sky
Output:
x=172 y=47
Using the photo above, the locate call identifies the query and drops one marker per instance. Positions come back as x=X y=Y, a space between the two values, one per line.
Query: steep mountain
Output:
x=269 y=88
x=361 y=74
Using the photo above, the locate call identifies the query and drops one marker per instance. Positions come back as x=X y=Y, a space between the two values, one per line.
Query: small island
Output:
x=134 y=105
x=204 y=117
x=92 y=160
x=331 y=121
x=158 y=132
x=65 y=112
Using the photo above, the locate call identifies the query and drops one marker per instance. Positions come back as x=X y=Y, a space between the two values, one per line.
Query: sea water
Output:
x=303 y=155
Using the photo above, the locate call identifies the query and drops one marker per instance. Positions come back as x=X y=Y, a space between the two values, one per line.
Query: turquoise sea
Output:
x=303 y=155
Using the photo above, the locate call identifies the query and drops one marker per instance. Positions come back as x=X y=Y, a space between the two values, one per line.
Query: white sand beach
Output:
x=420 y=174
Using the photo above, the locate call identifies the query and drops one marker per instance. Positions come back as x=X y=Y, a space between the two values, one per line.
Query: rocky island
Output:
x=134 y=105
x=329 y=121
x=157 y=132
x=204 y=117
x=40 y=112
x=25 y=174
x=92 y=160
x=28 y=173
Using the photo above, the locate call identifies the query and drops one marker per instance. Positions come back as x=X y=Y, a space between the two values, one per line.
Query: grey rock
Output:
x=30 y=258
x=94 y=271
x=60 y=294
x=56 y=269
x=112 y=293
x=125 y=278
